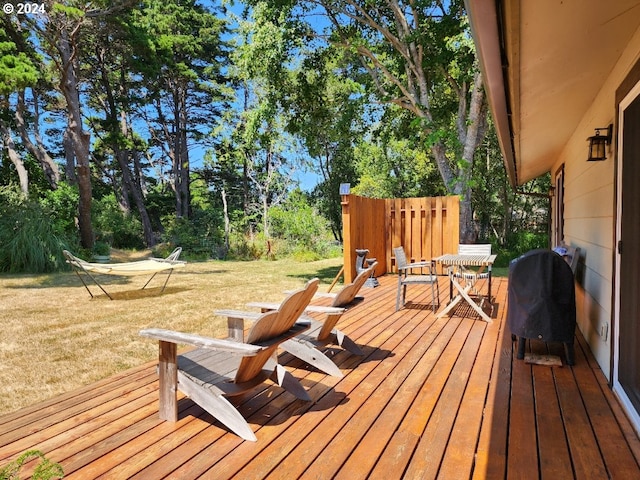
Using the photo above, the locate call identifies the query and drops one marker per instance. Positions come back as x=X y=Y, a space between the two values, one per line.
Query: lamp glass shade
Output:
x=597 y=148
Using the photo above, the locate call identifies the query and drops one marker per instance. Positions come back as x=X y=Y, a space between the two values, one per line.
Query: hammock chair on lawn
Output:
x=150 y=266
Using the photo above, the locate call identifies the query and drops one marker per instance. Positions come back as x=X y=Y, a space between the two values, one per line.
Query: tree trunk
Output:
x=265 y=219
x=50 y=168
x=185 y=171
x=80 y=141
x=227 y=223
x=245 y=185
x=23 y=175
x=245 y=163
x=180 y=165
x=121 y=188
x=457 y=185
x=471 y=131
x=132 y=186
x=70 y=159
x=78 y=138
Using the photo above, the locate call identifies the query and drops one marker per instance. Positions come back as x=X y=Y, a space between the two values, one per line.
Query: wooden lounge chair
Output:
x=221 y=368
x=150 y=266
x=321 y=333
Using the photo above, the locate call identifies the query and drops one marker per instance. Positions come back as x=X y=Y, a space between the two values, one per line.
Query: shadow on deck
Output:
x=431 y=398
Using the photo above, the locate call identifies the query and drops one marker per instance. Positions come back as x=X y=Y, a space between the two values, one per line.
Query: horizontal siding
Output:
x=590 y=210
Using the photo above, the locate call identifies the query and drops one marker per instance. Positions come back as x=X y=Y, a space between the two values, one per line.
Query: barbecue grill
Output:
x=542 y=302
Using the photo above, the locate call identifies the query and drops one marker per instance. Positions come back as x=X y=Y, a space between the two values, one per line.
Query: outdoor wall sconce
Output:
x=598 y=144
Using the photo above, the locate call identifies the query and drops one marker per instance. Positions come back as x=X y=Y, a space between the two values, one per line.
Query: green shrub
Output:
x=101 y=248
x=113 y=226
x=518 y=244
x=45 y=470
x=244 y=247
x=304 y=255
x=199 y=237
x=304 y=232
x=62 y=204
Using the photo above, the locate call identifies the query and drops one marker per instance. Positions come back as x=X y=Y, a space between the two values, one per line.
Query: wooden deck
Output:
x=431 y=398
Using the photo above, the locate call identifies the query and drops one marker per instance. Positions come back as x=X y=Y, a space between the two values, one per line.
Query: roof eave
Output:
x=484 y=22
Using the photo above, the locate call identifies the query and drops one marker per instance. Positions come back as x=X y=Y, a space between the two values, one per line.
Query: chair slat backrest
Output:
x=288 y=313
x=474 y=249
x=401 y=257
x=349 y=291
x=271 y=325
x=251 y=366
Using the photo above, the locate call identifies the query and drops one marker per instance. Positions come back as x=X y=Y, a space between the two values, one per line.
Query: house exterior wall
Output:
x=590 y=213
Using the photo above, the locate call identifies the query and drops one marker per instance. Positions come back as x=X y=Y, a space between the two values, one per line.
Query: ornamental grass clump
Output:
x=28 y=243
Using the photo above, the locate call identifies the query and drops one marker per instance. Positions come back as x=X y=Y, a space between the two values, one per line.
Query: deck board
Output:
x=555 y=460
x=431 y=398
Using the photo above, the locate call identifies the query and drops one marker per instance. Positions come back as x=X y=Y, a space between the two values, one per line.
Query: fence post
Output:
x=347 y=237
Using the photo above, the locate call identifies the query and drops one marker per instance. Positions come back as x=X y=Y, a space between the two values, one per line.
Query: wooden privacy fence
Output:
x=426 y=227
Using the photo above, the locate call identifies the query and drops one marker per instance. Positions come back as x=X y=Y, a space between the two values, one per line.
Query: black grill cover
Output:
x=542 y=301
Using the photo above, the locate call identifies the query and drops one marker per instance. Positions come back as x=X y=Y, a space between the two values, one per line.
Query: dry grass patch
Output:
x=56 y=338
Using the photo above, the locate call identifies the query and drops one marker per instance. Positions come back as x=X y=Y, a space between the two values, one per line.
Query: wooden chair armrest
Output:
x=310 y=308
x=317 y=294
x=417 y=265
x=321 y=309
x=264 y=305
x=325 y=295
x=172 y=336
x=237 y=314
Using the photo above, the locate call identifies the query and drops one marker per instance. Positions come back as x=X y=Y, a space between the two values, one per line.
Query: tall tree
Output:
x=327 y=112
x=254 y=152
x=108 y=71
x=59 y=29
x=17 y=71
x=182 y=59
x=251 y=137
x=420 y=57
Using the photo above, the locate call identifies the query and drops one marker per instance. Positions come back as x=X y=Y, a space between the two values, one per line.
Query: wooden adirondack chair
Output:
x=306 y=346
x=221 y=368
